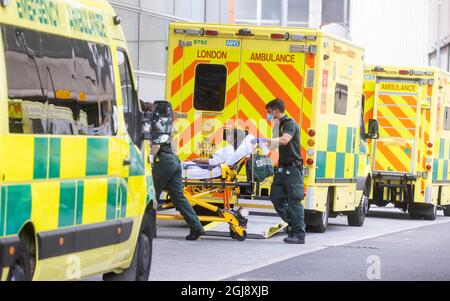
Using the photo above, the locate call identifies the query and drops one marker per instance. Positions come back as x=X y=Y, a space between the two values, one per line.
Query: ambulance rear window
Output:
x=210 y=87
x=340 y=99
x=447 y=119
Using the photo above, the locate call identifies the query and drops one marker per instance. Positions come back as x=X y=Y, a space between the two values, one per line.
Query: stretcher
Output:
x=227 y=185
x=204 y=182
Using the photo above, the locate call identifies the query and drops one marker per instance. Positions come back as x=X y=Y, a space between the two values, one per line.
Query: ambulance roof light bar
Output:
x=404 y=72
x=210 y=32
x=298 y=37
x=280 y=36
x=190 y=32
x=378 y=69
x=244 y=32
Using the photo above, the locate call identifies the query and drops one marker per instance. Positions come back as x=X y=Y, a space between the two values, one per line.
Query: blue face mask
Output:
x=269 y=117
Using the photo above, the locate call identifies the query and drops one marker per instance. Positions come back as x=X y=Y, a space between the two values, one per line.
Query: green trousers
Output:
x=286 y=195
x=167 y=175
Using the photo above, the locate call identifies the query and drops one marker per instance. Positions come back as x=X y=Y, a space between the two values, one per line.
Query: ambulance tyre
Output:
x=357 y=217
x=425 y=211
x=21 y=268
x=317 y=222
x=446 y=210
x=139 y=269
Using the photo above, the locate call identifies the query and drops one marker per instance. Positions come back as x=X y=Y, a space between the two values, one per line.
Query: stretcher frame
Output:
x=229 y=186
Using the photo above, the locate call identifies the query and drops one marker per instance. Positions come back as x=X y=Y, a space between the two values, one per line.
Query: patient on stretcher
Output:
x=238 y=146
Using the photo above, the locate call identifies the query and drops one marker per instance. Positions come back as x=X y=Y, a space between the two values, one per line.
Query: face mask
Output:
x=269 y=117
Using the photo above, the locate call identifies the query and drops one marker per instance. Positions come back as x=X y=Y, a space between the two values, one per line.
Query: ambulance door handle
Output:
x=127 y=162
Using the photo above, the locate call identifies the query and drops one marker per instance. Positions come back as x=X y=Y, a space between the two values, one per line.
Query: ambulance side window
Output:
x=447 y=119
x=340 y=99
x=130 y=102
x=58 y=85
x=210 y=87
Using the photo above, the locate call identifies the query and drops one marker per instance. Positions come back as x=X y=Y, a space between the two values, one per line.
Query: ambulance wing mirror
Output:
x=373 y=132
x=161 y=122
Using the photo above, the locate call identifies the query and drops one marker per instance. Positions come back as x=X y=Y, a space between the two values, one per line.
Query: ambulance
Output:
x=76 y=192
x=221 y=76
x=410 y=158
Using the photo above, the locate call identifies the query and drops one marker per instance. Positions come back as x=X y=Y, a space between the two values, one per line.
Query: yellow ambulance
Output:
x=410 y=158
x=223 y=75
x=76 y=192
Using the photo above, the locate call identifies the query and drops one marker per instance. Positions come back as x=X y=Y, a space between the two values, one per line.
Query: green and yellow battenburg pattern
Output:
x=70 y=180
x=47 y=12
x=336 y=155
x=42 y=11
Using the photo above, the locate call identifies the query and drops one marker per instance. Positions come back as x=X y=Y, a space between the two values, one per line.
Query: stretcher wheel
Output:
x=236 y=236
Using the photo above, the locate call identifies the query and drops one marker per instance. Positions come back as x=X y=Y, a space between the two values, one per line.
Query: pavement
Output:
x=405 y=249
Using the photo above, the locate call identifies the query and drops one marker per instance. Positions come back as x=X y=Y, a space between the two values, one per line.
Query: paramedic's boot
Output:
x=194 y=235
x=294 y=239
x=289 y=230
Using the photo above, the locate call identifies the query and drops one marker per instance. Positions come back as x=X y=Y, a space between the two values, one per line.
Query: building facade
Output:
x=442 y=6
x=392 y=32
x=145 y=24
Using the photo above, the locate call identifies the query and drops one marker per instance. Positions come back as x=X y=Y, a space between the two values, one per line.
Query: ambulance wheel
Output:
x=21 y=269
x=139 y=269
x=430 y=213
x=357 y=217
x=425 y=211
x=446 y=210
x=236 y=236
x=317 y=221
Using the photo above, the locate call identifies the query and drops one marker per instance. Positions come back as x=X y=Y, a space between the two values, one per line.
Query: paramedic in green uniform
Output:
x=167 y=175
x=286 y=192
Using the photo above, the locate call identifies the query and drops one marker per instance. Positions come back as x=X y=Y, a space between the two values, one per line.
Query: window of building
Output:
x=333 y=11
x=340 y=99
x=298 y=12
x=271 y=10
x=210 y=87
x=447 y=119
x=58 y=85
x=246 y=9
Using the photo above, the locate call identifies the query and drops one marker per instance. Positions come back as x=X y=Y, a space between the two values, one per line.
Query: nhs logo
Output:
x=233 y=43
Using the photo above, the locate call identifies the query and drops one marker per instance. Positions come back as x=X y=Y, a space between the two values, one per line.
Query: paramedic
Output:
x=286 y=192
x=167 y=176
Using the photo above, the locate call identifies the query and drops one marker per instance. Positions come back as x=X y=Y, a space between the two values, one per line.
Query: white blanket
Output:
x=193 y=171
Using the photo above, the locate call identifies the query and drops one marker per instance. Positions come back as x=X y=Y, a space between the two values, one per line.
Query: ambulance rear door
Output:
x=208 y=92
x=397 y=109
x=274 y=68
